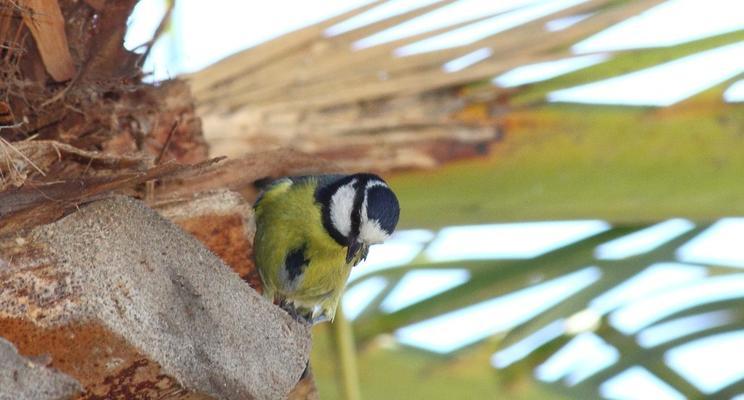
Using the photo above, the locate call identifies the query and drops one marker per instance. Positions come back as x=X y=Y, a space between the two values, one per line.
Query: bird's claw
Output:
x=290 y=309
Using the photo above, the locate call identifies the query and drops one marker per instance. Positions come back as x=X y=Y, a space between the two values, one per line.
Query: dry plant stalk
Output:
x=371 y=107
x=76 y=120
x=47 y=25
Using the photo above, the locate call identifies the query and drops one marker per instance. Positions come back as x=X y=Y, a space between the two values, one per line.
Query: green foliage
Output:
x=564 y=161
x=389 y=373
x=570 y=161
x=628 y=165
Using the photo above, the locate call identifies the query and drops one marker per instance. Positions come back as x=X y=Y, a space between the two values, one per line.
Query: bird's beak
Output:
x=354 y=247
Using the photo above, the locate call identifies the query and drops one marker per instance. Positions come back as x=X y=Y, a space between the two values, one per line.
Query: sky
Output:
x=205 y=32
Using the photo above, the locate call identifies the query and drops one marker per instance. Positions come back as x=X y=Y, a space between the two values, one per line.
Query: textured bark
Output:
x=23 y=378
x=240 y=174
x=52 y=131
x=129 y=305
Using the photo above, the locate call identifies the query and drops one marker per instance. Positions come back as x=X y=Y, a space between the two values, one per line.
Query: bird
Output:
x=311 y=231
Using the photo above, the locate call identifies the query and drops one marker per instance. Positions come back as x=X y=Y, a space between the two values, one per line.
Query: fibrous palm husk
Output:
x=368 y=108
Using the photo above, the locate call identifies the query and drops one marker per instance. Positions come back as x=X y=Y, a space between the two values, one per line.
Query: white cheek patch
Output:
x=342 y=203
x=370 y=230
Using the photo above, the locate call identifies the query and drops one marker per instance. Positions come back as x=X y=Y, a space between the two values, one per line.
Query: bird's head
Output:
x=358 y=211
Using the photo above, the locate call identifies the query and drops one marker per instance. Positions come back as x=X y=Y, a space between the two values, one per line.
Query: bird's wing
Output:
x=322 y=180
x=273 y=185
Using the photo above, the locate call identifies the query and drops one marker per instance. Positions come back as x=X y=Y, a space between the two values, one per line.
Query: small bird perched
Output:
x=310 y=232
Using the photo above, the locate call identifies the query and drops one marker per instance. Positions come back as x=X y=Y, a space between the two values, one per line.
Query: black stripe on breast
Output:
x=295 y=263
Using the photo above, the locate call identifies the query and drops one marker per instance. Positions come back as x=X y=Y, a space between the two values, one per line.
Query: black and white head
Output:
x=358 y=211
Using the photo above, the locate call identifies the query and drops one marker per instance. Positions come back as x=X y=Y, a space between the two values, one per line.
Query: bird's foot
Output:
x=294 y=312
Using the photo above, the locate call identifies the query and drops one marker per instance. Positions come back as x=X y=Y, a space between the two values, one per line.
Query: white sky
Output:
x=210 y=31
